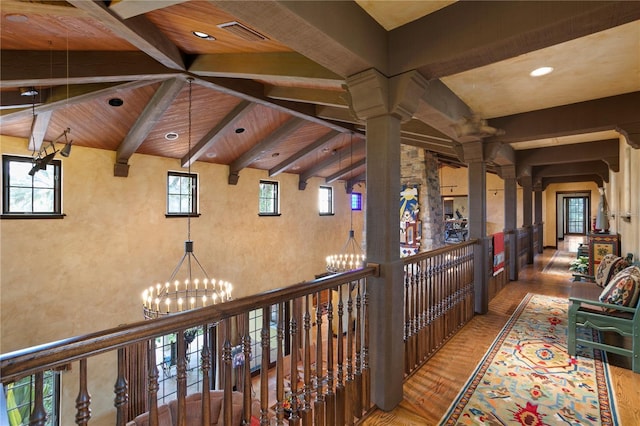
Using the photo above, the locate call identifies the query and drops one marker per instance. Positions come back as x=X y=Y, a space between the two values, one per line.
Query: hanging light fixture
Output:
x=351 y=256
x=177 y=295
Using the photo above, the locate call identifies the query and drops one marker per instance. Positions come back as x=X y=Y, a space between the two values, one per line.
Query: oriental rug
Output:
x=528 y=378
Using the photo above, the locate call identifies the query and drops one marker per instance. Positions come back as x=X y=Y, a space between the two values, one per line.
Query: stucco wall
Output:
x=86 y=272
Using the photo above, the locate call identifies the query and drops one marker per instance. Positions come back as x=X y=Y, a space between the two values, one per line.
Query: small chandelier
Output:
x=177 y=296
x=351 y=256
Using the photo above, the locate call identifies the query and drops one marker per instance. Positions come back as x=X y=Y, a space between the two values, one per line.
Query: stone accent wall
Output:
x=421 y=167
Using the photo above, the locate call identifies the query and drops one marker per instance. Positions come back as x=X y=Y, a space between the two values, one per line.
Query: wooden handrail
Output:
x=436 y=252
x=25 y=362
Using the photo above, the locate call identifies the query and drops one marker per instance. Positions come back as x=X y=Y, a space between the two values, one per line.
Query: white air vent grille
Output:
x=242 y=31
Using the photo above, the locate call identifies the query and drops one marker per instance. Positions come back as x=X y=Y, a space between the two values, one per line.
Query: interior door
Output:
x=576 y=215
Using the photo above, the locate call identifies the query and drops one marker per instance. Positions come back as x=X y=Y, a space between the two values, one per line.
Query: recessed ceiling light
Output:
x=240 y=130
x=116 y=102
x=210 y=155
x=203 y=35
x=541 y=71
x=275 y=154
x=171 y=136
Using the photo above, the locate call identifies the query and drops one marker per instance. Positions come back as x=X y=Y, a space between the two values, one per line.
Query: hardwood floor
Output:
x=430 y=391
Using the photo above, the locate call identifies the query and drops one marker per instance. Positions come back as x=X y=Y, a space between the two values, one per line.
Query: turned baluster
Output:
x=121 y=389
x=39 y=414
x=83 y=401
x=206 y=369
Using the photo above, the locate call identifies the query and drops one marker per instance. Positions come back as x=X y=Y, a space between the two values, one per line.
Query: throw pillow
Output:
x=609 y=266
x=623 y=289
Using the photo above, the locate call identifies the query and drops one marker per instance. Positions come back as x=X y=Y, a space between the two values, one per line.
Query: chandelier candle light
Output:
x=351 y=256
x=178 y=296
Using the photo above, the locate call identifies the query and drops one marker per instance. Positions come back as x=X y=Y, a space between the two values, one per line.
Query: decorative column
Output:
x=474 y=157
x=526 y=183
x=537 y=195
x=383 y=103
x=508 y=174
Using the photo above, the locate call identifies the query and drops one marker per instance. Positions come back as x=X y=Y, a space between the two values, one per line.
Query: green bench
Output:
x=586 y=310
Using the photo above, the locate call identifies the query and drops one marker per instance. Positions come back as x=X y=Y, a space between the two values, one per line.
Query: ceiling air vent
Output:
x=242 y=31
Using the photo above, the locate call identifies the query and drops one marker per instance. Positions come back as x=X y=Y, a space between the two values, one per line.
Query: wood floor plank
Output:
x=431 y=390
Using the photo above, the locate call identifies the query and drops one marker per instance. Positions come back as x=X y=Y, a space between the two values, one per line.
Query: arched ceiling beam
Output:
x=611 y=113
x=597 y=167
x=546 y=181
x=605 y=150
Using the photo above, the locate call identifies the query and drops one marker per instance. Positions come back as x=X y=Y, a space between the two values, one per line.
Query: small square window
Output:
x=269 y=198
x=30 y=190
x=325 y=200
x=182 y=194
x=356 y=201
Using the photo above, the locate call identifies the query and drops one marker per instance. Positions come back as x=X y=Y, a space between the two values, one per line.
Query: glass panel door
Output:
x=576 y=215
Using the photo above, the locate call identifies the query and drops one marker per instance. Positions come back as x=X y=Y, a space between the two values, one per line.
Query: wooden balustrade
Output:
x=327 y=395
x=439 y=299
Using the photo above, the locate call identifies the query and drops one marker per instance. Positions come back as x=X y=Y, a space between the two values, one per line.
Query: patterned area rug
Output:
x=559 y=263
x=528 y=378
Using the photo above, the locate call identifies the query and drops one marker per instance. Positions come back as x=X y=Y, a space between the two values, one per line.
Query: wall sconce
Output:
x=448 y=186
x=495 y=191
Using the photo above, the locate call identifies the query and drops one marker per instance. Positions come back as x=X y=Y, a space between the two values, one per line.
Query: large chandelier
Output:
x=351 y=256
x=178 y=295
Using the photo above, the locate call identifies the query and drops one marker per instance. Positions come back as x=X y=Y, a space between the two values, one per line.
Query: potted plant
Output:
x=580 y=265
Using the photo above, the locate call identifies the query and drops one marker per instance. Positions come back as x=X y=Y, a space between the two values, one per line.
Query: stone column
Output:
x=508 y=173
x=418 y=166
x=474 y=157
x=383 y=103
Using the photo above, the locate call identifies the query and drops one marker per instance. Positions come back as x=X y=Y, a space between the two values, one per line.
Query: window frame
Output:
x=195 y=196
x=330 y=205
x=51 y=396
x=56 y=213
x=275 y=199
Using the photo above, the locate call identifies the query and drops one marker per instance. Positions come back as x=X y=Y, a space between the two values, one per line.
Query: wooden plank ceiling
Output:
x=266 y=89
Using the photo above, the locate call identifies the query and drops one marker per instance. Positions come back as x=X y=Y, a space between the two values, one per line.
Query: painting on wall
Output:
x=410 y=223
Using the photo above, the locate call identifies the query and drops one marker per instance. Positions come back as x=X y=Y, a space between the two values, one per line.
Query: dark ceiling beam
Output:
x=433 y=147
x=442 y=109
x=418 y=128
x=606 y=150
x=129 y=8
x=333 y=98
x=12 y=99
x=254 y=92
x=267 y=143
x=499 y=154
x=39 y=128
x=488 y=32
x=61 y=97
x=345 y=171
x=546 y=181
x=348 y=43
x=343 y=115
x=349 y=184
x=307 y=150
x=329 y=161
x=138 y=31
x=147 y=120
x=613 y=113
x=219 y=131
x=285 y=67
x=597 y=167
x=24 y=68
